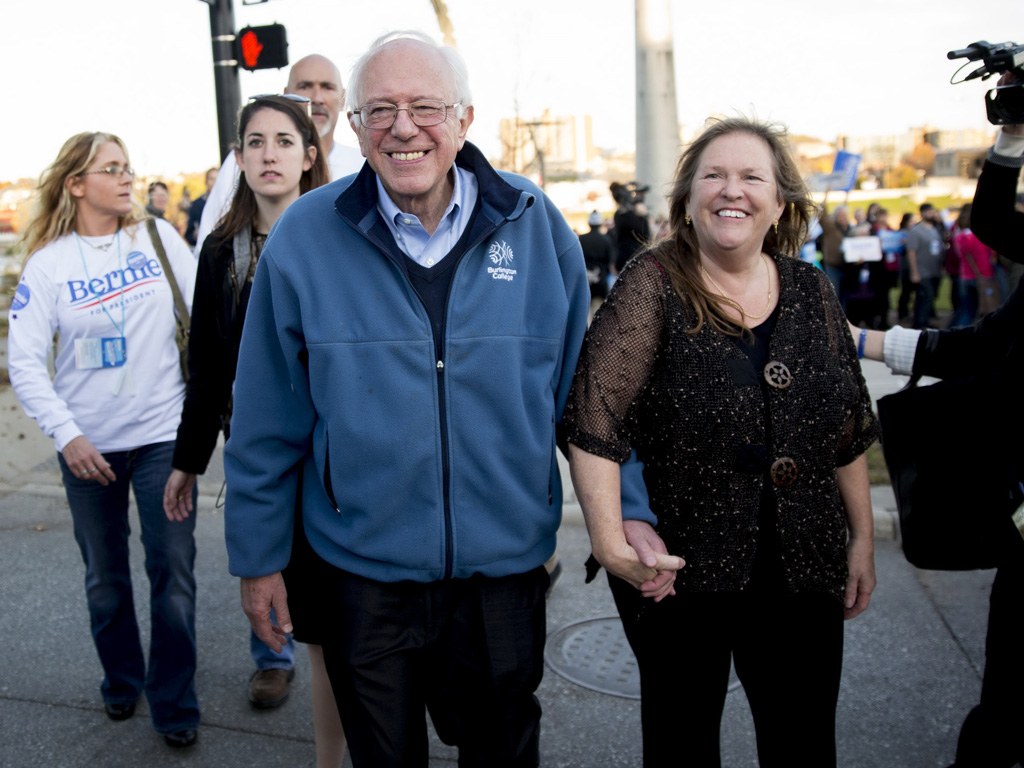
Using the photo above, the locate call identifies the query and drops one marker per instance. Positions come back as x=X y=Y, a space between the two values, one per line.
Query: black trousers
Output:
x=788 y=653
x=468 y=651
x=992 y=735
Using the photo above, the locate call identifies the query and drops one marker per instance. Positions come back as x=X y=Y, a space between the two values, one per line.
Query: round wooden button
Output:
x=777 y=375
x=784 y=472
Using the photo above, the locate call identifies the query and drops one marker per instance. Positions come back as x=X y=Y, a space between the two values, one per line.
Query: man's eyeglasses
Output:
x=422 y=113
x=290 y=96
x=112 y=170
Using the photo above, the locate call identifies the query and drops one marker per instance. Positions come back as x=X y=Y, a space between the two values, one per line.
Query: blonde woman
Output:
x=92 y=277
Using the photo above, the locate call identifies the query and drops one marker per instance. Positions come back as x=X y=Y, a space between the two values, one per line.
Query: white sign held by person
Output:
x=856 y=249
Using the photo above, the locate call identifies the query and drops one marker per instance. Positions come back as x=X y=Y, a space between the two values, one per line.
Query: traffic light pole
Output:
x=225 y=70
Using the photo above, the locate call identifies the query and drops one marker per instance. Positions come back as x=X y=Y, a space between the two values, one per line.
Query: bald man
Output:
x=318 y=79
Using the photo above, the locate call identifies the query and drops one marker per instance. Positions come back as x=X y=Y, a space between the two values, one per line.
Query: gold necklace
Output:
x=725 y=296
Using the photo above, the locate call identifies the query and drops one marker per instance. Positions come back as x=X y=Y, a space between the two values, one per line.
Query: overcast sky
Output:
x=143 y=68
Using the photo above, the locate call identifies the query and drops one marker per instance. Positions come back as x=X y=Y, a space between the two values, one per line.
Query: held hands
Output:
x=259 y=595
x=178 y=495
x=653 y=553
x=641 y=558
x=86 y=463
x=860 y=583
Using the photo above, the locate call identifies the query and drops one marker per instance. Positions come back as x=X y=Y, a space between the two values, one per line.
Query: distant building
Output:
x=970 y=138
x=883 y=150
x=557 y=146
x=963 y=163
x=955 y=151
x=813 y=156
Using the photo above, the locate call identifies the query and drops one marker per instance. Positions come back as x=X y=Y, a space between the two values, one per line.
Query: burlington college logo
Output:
x=501 y=255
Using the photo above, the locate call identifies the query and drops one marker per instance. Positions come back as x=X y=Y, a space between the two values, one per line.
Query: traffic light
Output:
x=263 y=47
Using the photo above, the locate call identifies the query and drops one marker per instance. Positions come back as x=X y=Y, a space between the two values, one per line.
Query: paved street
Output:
x=912 y=662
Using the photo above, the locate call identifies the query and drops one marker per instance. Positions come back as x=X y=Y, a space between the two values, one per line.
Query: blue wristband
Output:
x=860 y=344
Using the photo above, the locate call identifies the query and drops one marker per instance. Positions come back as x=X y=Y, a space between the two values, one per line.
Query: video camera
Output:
x=1004 y=103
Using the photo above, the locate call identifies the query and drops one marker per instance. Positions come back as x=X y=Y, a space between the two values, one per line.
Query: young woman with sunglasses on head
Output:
x=279 y=157
x=93 y=277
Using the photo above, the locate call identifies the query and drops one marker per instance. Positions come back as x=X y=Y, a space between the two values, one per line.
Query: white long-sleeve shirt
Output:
x=64 y=289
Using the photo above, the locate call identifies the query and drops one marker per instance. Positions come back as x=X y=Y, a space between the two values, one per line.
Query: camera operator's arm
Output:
x=994 y=218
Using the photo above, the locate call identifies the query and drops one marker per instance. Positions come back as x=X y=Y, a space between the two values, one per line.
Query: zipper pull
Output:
x=440 y=366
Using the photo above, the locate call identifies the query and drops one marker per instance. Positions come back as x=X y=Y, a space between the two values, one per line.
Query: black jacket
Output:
x=692 y=406
x=994 y=217
x=216 y=331
x=994 y=348
x=599 y=255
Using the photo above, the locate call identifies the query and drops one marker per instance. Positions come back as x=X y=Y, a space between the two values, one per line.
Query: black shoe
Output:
x=180 y=739
x=119 y=711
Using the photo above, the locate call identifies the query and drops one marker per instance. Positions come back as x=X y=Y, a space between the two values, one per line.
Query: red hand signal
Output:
x=251 y=48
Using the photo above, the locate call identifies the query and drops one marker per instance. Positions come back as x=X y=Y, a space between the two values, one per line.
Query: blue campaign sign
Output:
x=892 y=240
x=846 y=164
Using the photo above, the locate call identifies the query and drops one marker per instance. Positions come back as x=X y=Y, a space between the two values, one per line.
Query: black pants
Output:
x=788 y=652
x=469 y=651
x=992 y=735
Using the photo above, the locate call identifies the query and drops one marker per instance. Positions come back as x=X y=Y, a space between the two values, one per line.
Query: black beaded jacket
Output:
x=693 y=407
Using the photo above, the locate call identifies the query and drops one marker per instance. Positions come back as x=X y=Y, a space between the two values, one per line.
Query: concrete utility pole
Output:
x=444 y=22
x=657 y=126
x=225 y=70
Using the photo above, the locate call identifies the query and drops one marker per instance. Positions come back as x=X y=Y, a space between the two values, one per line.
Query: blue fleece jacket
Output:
x=411 y=467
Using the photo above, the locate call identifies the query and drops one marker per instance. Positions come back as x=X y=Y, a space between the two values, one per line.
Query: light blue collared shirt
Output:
x=425 y=249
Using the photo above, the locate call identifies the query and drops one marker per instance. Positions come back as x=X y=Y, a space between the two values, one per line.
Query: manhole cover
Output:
x=594 y=654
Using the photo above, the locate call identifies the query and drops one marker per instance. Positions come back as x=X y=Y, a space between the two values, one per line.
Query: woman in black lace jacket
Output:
x=728 y=366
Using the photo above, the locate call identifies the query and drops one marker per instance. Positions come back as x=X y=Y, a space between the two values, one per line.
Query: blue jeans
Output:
x=924 y=301
x=100 y=515
x=265 y=657
x=835 y=276
x=968 y=309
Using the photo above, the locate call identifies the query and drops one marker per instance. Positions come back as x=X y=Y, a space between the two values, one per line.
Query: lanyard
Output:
x=117 y=237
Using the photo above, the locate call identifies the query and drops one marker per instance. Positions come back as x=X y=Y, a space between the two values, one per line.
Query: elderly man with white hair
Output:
x=409 y=347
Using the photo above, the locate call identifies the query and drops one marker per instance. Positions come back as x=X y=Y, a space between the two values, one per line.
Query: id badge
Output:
x=100 y=353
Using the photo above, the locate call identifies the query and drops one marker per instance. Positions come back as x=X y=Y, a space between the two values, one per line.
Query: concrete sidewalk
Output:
x=912 y=661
